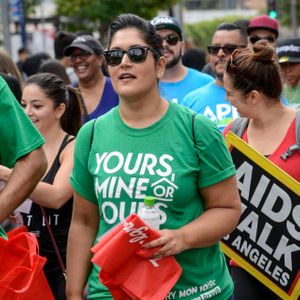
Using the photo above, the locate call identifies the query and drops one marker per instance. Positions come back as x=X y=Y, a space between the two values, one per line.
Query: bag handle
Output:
x=60 y=261
x=33 y=248
x=30 y=239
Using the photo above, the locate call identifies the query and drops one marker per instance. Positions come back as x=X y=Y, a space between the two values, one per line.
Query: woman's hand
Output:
x=4 y=173
x=170 y=241
x=222 y=202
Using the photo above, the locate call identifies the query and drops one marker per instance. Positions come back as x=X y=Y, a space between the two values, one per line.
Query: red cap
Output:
x=263 y=22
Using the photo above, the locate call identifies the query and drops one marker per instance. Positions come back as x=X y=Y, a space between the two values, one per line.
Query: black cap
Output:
x=288 y=51
x=85 y=42
x=167 y=22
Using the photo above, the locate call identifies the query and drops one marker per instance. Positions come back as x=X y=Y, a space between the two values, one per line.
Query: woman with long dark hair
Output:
x=55 y=110
x=145 y=141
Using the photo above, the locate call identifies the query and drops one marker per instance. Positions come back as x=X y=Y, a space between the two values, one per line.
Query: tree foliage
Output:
x=98 y=14
x=201 y=33
x=285 y=12
x=29 y=6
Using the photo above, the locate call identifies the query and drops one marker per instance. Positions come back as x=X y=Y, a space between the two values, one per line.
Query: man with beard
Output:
x=210 y=99
x=177 y=80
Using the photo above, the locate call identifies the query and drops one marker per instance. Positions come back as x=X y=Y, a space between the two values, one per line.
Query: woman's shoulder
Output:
x=103 y=120
x=201 y=125
x=67 y=147
x=186 y=112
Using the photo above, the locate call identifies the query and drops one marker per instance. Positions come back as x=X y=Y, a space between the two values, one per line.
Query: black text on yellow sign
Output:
x=266 y=241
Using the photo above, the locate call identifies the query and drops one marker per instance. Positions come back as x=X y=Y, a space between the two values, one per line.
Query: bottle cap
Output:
x=149 y=201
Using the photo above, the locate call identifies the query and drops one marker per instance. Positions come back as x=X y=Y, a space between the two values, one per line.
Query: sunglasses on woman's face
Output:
x=255 y=38
x=83 y=55
x=171 y=39
x=136 y=54
x=227 y=49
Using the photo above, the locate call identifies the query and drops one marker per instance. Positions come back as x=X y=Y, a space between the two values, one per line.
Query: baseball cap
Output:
x=167 y=22
x=85 y=42
x=288 y=50
x=263 y=22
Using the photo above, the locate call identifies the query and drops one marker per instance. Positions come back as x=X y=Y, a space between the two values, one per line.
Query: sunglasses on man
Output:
x=227 y=48
x=136 y=54
x=255 y=38
x=171 y=39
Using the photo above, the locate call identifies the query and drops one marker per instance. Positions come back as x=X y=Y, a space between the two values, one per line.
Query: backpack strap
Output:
x=92 y=133
x=296 y=147
x=238 y=126
x=193 y=128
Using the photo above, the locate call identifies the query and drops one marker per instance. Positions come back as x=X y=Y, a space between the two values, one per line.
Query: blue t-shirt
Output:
x=108 y=100
x=211 y=102
x=176 y=91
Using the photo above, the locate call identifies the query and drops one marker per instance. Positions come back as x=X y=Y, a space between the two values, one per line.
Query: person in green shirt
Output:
x=149 y=146
x=20 y=149
x=288 y=53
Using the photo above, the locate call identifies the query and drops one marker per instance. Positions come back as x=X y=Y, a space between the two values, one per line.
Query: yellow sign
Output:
x=266 y=241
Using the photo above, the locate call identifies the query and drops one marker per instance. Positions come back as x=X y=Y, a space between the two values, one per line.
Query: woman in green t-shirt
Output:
x=149 y=146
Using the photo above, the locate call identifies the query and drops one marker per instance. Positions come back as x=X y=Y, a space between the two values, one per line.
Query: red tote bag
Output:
x=125 y=267
x=21 y=268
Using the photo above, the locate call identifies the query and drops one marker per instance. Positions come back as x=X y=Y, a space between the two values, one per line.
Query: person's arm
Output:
x=27 y=172
x=221 y=215
x=82 y=234
x=56 y=194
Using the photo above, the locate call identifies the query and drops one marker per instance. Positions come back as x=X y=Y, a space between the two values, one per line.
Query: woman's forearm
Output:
x=220 y=217
x=80 y=241
x=210 y=228
x=82 y=234
x=51 y=196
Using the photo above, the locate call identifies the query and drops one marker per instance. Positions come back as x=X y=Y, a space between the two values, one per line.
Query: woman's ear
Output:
x=60 y=110
x=161 y=66
x=253 y=97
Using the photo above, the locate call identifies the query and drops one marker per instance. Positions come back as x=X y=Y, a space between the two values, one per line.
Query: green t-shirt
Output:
x=292 y=94
x=126 y=164
x=18 y=135
x=2 y=233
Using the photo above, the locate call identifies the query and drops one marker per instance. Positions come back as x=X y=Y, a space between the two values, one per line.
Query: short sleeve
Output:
x=18 y=135
x=81 y=179
x=215 y=163
x=190 y=99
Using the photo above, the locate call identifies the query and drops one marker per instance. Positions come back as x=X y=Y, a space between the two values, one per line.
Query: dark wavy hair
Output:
x=144 y=27
x=56 y=90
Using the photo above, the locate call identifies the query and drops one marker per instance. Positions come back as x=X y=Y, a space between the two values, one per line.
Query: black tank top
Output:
x=59 y=220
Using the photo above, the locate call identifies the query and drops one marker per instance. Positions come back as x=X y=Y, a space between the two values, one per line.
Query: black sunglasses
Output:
x=136 y=54
x=227 y=49
x=256 y=38
x=171 y=39
x=82 y=55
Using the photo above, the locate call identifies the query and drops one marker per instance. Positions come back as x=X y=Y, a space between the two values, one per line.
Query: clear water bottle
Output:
x=149 y=213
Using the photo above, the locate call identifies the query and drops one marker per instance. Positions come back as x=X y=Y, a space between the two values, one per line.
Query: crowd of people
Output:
x=88 y=134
